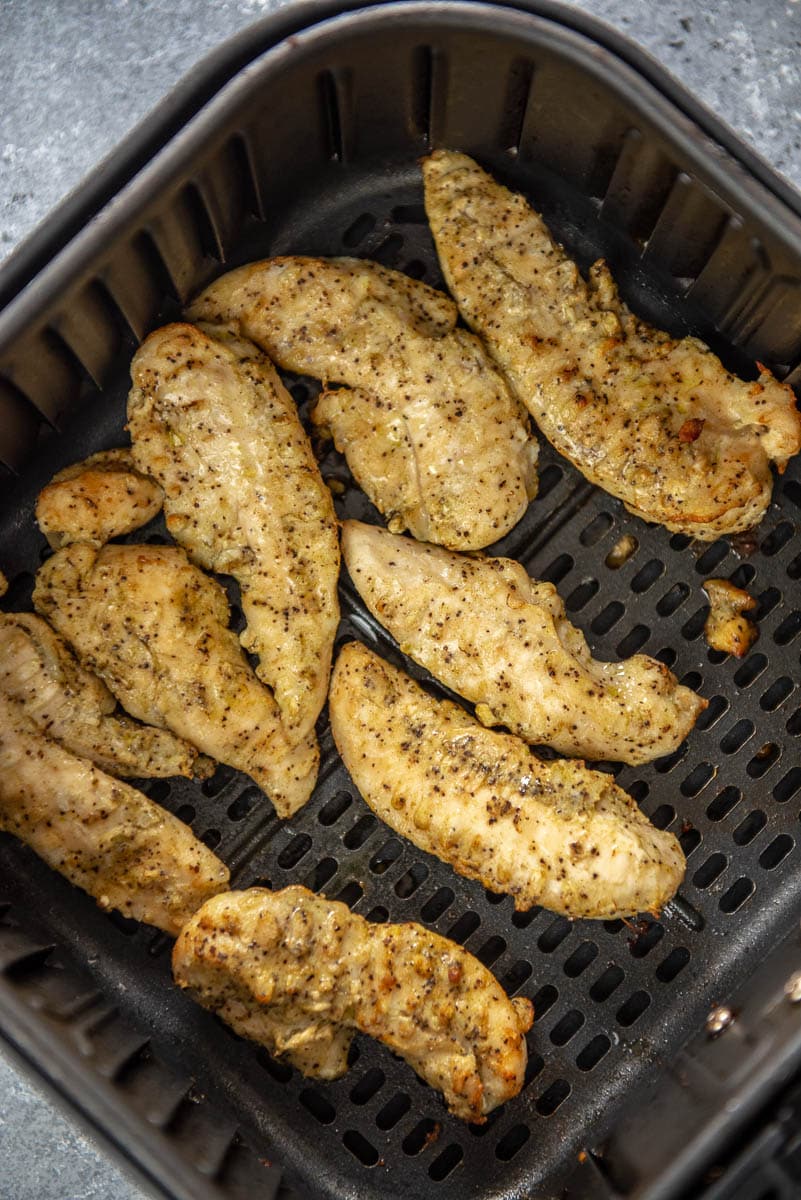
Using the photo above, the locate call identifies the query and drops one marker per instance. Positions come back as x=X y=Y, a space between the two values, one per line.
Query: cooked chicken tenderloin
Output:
x=212 y=422
x=298 y=973
x=97 y=499
x=549 y=833
x=76 y=709
x=656 y=421
x=100 y=833
x=154 y=628
x=502 y=640
x=428 y=425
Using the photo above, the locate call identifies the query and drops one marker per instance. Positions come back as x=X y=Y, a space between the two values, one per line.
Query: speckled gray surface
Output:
x=42 y=1154
x=82 y=72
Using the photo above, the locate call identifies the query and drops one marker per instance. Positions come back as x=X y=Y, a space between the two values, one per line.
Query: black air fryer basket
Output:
x=664 y=1055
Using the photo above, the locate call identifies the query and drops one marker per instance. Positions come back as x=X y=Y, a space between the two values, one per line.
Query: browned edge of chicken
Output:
x=211 y=420
x=154 y=627
x=554 y=833
x=102 y=834
x=428 y=425
x=656 y=421
x=76 y=709
x=299 y=973
x=729 y=625
x=103 y=497
x=502 y=640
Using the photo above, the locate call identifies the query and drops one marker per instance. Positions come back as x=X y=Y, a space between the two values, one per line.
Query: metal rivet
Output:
x=719 y=1020
x=792 y=988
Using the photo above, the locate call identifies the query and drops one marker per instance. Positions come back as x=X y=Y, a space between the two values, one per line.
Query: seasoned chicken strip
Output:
x=153 y=627
x=502 y=640
x=76 y=709
x=655 y=421
x=549 y=833
x=97 y=499
x=100 y=833
x=427 y=424
x=298 y=973
x=213 y=423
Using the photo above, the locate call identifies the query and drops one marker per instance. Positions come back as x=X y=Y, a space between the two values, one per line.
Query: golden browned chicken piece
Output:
x=211 y=420
x=97 y=499
x=299 y=973
x=154 y=628
x=728 y=627
x=102 y=834
x=76 y=709
x=427 y=424
x=502 y=640
x=656 y=421
x=549 y=833
x=3 y=584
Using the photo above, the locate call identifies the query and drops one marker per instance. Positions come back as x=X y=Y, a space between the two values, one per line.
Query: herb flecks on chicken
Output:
x=428 y=425
x=103 y=497
x=300 y=974
x=76 y=709
x=101 y=834
x=656 y=421
x=502 y=640
x=212 y=422
x=154 y=628
x=549 y=833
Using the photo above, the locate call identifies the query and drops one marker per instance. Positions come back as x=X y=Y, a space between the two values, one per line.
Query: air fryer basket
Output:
x=313 y=148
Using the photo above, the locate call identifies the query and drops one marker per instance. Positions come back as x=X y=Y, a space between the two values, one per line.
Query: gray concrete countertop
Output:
x=76 y=75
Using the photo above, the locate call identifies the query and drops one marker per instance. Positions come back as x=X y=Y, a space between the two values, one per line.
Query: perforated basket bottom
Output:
x=613 y=1002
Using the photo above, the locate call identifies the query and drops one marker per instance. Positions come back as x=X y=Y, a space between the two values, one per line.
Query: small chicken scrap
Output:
x=212 y=422
x=621 y=552
x=299 y=974
x=76 y=709
x=549 y=833
x=97 y=499
x=655 y=421
x=429 y=427
x=727 y=627
x=502 y=640
x=101 y=834
x=154 y=628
